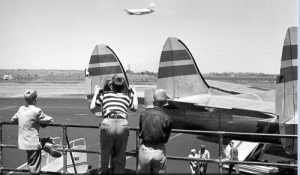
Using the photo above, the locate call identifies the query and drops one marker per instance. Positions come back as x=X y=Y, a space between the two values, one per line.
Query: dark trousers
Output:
x=34 y=158
x=34 y=161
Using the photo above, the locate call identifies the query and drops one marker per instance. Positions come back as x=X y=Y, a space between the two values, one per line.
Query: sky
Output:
x=222 y=35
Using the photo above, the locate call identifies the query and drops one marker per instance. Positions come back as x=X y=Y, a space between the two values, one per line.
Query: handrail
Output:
x=208 y=133
x=134 y=153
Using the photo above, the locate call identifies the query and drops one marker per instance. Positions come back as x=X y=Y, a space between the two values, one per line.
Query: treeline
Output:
x=241 y=74
x=223 y=74
x=142 y=73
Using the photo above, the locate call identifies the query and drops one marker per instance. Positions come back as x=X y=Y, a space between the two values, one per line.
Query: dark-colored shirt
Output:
x=155 y=126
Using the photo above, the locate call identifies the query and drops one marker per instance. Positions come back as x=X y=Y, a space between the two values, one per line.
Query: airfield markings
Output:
x=8 y=107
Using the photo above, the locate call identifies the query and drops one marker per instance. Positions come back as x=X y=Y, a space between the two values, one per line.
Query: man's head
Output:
x=118 y=84
x=202 y=147
x=107 y=85
x=193 y=151
x=160 y=97
x=30 y=96
x=231 y=143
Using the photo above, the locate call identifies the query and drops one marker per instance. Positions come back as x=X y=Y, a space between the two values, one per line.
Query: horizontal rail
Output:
x=292 y=166
x=133 y=153
x=27 y=171
x=209 y=133
x=67 y=125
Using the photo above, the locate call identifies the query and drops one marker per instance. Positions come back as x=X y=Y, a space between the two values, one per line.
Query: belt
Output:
x=152 y=143
x=115 y=116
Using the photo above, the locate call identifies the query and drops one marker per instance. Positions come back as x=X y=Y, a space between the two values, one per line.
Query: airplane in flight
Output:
x=197 y=104
x=141 y=11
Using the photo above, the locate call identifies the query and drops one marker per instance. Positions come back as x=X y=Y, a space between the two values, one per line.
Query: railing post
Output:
x=137 y=147
x=64 y=149
x=1 y=162
x=220 y=152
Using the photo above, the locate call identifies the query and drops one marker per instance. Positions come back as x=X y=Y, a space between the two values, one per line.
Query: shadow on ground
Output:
x=96 y=171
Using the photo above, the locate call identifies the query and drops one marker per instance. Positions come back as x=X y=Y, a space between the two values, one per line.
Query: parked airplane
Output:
x=142 y=10
x=197 y=105
x=103 y=64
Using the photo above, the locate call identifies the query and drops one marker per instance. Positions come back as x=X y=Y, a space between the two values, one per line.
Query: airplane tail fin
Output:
x=152 y=5
x=103 y=65
x=178 y=73
x=287 y=91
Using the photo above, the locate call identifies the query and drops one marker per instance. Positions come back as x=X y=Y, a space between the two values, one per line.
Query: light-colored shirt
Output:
x=205 y=155
x=29 y=118
x=193 y=163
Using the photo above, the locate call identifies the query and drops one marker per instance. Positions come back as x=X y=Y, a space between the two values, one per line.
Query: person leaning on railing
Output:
x=155 y=129
x=115 y=99
x=30 y=118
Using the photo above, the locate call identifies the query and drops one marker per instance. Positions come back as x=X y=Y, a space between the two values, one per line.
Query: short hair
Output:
x=160 y=95
x=107 y=85
x=119 y=84
x=30 y=95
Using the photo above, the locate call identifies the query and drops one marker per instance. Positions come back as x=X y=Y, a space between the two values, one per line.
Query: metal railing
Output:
x=134 y=153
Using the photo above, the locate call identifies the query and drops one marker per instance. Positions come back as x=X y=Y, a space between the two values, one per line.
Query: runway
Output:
x=74 y=110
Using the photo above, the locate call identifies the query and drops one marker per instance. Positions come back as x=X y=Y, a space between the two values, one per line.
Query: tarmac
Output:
x=73 y=109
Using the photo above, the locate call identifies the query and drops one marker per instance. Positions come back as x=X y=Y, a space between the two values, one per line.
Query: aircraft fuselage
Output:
x=192 y=117
x=139 y=11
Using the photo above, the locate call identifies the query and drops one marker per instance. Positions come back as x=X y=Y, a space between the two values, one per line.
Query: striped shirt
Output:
x=114 y=102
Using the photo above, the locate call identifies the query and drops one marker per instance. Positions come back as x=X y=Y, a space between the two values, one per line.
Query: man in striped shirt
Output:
x=114 y=128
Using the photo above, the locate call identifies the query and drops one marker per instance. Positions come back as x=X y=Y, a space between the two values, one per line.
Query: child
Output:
x=30 y=118
x=114 y=128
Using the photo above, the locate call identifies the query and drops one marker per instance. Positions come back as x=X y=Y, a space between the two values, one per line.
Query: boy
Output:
x=30 y=118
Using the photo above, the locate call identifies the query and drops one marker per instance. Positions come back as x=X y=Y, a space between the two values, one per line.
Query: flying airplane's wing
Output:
x=179 y=75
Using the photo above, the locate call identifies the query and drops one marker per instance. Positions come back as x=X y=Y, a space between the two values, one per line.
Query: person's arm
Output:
x=134 y=104
x=93 y=105
x=208 y=155
x=168 y=128
x=44 y=119
x=140 y=123
x=14 y=119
